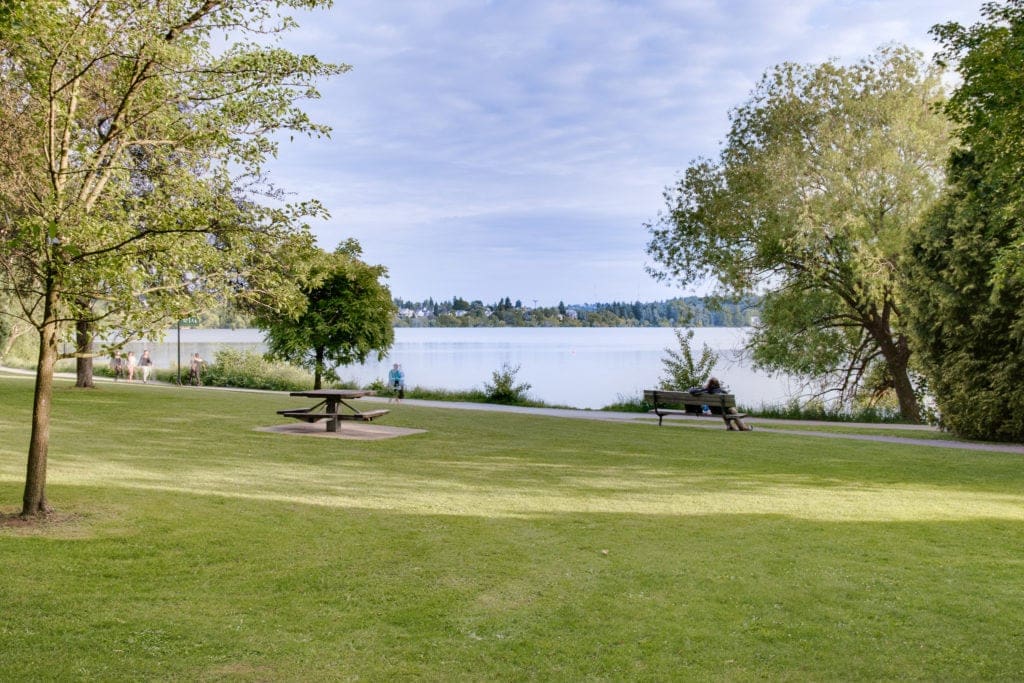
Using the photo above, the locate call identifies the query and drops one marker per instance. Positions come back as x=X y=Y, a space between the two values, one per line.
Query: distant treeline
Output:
x=458 y=312
x=692 y=311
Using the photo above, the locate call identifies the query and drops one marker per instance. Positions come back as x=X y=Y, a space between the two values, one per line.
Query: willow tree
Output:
x=825 y=169
x=131 y=182
x=348 y=314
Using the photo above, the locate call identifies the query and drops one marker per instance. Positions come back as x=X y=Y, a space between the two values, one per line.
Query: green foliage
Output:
x=348 y=315
x=628 y=404
x=988 y=107
x=134 y=139
x=819 y=411
x=966 y=292
x=451 y=395
x=967 y=330
x=682 y=369
x=503 y=388
x=824 y=170
x=250 y=370
x=691 y=310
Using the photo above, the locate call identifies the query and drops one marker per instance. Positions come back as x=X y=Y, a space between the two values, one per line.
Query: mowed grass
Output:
x=190 y=546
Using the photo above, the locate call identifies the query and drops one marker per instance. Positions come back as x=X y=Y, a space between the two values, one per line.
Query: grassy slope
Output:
x=198 y=548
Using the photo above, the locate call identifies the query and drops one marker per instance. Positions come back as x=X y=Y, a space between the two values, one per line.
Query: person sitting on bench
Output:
x=715 y=387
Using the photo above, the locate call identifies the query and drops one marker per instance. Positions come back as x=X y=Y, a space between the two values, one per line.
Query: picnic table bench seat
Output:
x=305 y=414
x=693 y=404
x=311 y=415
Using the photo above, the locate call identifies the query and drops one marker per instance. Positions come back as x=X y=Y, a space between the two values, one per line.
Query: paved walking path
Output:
x=770 y=425
x=760 y=424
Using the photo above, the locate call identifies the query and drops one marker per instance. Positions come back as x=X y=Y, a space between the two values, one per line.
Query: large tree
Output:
x=130 y=176
x=349 y=314
x=824 y=171
x=966 y=282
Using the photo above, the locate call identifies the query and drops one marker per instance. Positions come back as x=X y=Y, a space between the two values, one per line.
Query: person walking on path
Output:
x=131 y=366
x=396 y=382
x=117 y=365
x=146 y=363
x=195 y=370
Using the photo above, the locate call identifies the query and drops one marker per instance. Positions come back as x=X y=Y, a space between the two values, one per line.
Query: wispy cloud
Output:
x=487 y=148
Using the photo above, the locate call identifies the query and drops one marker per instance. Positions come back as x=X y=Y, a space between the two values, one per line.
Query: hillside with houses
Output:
x=688 y=311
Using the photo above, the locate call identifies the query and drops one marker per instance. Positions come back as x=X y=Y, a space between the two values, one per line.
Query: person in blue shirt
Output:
x=396 y=382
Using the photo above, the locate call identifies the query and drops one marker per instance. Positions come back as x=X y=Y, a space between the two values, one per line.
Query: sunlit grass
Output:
x=190 y=546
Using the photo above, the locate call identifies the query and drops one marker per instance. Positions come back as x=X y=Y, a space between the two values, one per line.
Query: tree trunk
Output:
x=318 y=370
x=83 y=355
x=34 y=502
x=897 y=357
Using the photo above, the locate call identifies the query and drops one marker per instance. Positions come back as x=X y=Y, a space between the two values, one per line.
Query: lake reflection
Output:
x=583 y=367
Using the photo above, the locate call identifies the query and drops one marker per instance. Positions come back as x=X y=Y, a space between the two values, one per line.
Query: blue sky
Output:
x=516 y=148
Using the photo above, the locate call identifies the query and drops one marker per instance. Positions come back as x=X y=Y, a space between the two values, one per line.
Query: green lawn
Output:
x=189 y=546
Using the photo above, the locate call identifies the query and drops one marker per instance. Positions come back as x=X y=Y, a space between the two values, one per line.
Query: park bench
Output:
x=667 y=402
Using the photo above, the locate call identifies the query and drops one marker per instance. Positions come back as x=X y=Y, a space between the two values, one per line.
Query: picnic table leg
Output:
x=332 y=422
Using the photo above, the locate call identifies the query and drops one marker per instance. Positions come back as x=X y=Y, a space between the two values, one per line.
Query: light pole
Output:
x=179 y=352
x=190 y=282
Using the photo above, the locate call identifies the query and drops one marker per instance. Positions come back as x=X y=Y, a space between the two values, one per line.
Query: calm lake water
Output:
x=582 y=367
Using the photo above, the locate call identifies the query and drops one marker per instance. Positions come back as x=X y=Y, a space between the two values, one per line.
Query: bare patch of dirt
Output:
x=49 y=522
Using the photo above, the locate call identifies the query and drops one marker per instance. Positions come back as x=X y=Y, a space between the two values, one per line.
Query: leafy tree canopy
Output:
x=348 y=315
x=131 y=156
x=966 y=265
x=824 y=170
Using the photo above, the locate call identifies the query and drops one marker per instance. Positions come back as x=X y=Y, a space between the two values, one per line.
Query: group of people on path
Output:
x=128 y=366
x=125 y=367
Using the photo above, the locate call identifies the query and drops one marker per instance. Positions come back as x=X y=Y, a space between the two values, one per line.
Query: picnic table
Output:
x=334 y=407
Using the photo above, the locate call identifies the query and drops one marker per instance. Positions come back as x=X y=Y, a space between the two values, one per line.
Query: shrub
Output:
x=503 y=387
x=682 y=370
x=816 y=410
x=250 y=370
x=628 y=404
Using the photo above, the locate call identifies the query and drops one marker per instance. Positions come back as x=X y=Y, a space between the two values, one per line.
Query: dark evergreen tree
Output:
x=966 y=282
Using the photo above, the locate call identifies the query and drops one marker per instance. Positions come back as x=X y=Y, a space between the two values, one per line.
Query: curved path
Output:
x=760 y=424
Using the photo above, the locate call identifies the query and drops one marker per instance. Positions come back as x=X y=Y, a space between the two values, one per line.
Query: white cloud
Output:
x=538 y=134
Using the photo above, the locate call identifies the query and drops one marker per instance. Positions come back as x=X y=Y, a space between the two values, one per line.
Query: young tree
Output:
x=966 y=283
x=130 y=166
x=682 y=369
x=349 y=314
x=824 y=171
